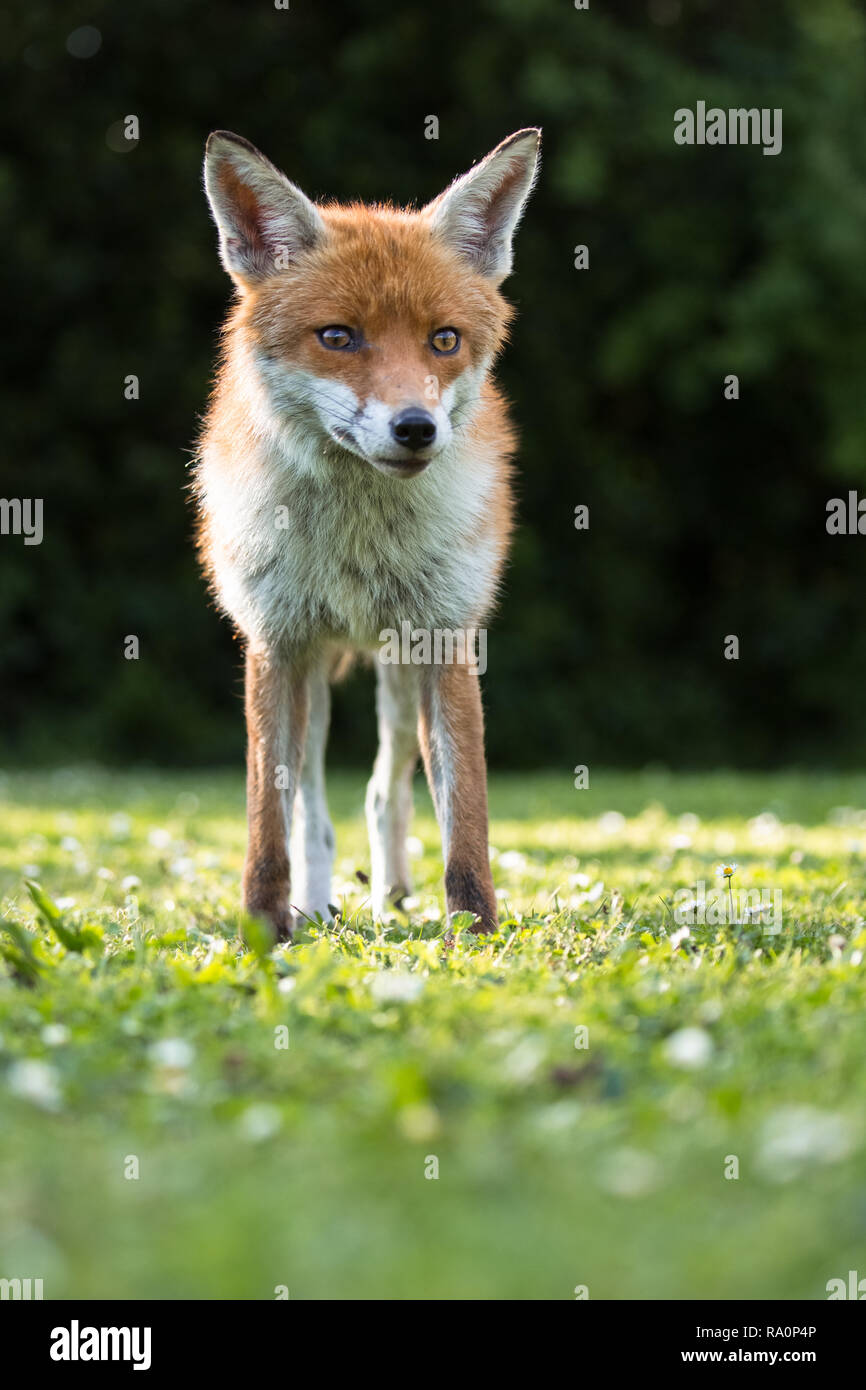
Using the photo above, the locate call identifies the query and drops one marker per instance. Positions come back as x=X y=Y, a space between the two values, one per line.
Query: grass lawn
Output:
x=158 y=1140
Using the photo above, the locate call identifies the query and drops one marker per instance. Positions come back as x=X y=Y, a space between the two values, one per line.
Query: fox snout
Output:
x=413 y=428
x=398 y=438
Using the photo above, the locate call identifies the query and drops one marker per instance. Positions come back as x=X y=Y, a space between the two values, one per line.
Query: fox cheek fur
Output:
x=353 y=475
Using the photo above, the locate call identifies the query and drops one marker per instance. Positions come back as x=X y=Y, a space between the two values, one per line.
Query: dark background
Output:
x=707 y=516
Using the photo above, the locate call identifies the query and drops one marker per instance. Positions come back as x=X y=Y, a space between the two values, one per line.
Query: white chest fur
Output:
x=326 y=547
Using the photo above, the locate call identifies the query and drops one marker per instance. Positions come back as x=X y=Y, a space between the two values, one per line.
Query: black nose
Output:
x=414 y=428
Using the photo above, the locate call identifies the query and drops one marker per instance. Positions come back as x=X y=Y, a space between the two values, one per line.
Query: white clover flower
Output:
x=175 y=1053
x=524 y=1060
x=259 y=1122
x=796 y=1137
x=764 y=827
x=689 y=1047
x=629 y=1173
x=35 y=1081
x=395 y=986
x=512 y=859
x=55 y=1034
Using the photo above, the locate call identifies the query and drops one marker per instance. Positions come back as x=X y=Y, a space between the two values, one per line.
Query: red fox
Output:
x=353 y=476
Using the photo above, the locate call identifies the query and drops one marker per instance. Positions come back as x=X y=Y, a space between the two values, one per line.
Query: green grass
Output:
x=558 y=1166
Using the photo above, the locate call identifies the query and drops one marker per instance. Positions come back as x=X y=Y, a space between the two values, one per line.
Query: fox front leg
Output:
x=277 y=700
x=451 y=728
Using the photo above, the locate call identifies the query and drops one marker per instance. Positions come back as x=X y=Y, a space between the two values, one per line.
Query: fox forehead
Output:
x=382 y=272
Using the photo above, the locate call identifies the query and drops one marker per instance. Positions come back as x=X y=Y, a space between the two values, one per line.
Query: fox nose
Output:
x=414 y=428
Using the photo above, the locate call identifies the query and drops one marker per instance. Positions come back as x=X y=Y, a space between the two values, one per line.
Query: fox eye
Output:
x=336 y=336
x=445 y=341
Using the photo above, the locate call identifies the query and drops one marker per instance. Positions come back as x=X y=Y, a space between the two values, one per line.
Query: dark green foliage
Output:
x=707 y=515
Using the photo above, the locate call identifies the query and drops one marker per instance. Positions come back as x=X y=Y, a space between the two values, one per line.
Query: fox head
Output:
x=375 y=327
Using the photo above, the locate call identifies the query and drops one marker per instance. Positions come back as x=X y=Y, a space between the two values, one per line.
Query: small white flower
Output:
x=797 y=1136
x=414 y=846
x=131 y=882
x=287 y=984
x=523 y=1061
x=104 y=873
x=175 y=1053
x=764 y=827
x=689 y=1047
x=395 y=986
x=512 y=859
x=611 y=823
x=629 y=1173
x=35 y=1081
x=159 y=838
x=65 y=903
x=259 y=1122
x=69 y=844
x=55 y=1034
x=119 y=826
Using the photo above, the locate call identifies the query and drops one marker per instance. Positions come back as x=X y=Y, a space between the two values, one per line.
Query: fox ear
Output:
x=478 y=214
x=264 y=221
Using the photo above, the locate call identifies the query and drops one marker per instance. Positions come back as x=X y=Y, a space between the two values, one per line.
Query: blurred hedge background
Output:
x=707 y=516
